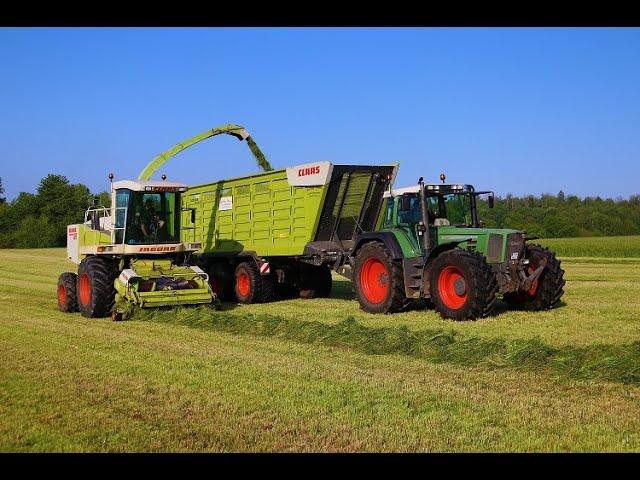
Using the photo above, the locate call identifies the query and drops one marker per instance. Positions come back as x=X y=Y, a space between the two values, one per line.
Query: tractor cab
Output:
x=446 y=205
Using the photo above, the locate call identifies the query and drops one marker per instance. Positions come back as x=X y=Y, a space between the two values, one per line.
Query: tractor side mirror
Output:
x=491 y=202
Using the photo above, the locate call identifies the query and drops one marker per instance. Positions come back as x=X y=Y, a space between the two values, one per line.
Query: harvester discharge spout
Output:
x=237 y=131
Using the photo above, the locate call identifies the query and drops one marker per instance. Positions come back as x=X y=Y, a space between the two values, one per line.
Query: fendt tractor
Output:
x=133 y=252
x=430 y=244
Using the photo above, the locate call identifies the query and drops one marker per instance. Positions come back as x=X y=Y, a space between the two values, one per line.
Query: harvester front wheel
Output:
x=96 y=292
x=67 y=297
x=378 y=280
x=316 y=281
x=462 y=285
x=547 y=289
x=250 y=286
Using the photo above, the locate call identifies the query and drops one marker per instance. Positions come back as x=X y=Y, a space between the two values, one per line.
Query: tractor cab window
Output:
x=152 y=218
x=409 y=209
x=456 y=208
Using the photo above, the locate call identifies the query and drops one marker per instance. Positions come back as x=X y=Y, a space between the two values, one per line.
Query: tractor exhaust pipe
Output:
x=425 y=217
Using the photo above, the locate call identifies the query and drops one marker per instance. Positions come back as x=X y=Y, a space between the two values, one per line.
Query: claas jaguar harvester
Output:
x=134 y=252
x=431 y=244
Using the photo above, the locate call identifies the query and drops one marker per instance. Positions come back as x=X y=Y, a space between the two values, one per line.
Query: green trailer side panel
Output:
x=260 y=213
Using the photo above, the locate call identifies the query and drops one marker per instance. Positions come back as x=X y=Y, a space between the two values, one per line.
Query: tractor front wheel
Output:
x=547 y=289
x=250 y=286
x=67 y=297
x=96 y=292
x=462 y=285
x=378 y=280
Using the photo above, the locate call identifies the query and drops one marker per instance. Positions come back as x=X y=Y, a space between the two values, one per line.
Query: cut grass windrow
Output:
x=616 y=363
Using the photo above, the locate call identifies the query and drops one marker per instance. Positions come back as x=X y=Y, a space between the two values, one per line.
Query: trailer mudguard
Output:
x=388 y=238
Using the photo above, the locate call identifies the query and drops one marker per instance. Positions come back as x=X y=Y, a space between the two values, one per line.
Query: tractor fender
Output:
x=388 y=238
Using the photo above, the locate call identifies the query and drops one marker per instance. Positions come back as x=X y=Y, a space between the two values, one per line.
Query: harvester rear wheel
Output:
x=315 y=281
x=67 y=296
x=547 y=289
x=96 y=293
x=462 y=285
x=221 y=281
x=378 y=280
x=250 y=286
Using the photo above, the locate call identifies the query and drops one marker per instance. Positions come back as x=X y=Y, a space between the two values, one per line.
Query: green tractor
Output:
x=430 y=244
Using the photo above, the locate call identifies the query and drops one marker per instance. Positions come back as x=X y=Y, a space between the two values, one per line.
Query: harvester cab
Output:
x=430 y=243
x=131 y=254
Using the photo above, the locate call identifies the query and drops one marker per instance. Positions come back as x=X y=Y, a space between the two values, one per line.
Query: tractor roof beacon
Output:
x=430 y=244
x=132 y=253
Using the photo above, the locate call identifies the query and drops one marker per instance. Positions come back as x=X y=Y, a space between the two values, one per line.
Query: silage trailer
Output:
x=282 y=232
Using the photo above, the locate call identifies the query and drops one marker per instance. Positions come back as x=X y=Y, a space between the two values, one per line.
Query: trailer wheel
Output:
x=547 y=289
x=221 y=281
x=463 y=286
x=67 y=296
x=378 y=280
x=315 y=281
x=96 y=293
x=250 y=286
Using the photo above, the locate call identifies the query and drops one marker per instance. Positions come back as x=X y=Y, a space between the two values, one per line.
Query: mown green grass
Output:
x=300 y=375
x=623 y=246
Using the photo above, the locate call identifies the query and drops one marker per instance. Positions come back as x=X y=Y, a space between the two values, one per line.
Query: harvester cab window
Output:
x=152 y=218
x=122 y=202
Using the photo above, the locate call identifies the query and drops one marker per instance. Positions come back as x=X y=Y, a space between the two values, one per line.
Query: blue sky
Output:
x=519 y=110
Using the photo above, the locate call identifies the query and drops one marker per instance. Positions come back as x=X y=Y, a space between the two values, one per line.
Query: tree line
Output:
x=40 y=220
x=552 y=216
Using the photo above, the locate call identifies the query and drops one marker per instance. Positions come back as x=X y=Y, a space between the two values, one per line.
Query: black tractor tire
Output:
x=67 y=292
x=221 y=280
x=462 y=285
x=315 y=281
x=96 y=292
x=250 y=286
x=548 y=288
x=378 y=280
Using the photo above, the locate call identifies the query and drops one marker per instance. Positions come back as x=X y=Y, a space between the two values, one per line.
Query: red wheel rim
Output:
x=452 y=287
x=374 y=280
x=85 y=289
x=243 y=284
x=62 y=295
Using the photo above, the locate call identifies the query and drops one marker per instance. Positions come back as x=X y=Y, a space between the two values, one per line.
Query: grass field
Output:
x=622 y=246
x=321 y=375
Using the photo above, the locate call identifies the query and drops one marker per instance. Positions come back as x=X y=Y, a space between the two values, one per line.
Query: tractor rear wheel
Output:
x=547 y=289
x=315 y=281
x=96 y=293
x=67 y=296
x=378 y=280
x=462 y=285
x=250 y=286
